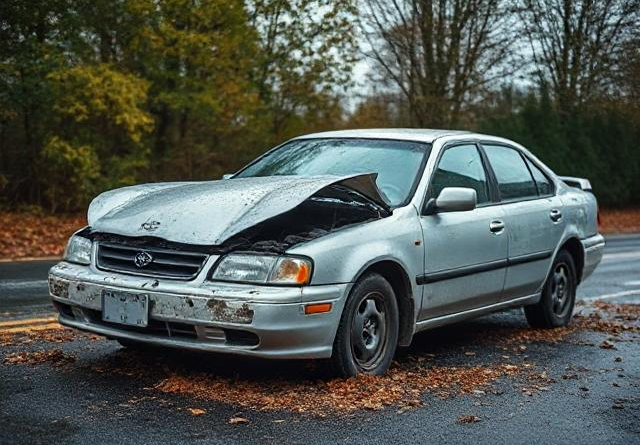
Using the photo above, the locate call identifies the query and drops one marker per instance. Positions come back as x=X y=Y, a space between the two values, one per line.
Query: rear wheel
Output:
x=368 y=331
x=558 y=295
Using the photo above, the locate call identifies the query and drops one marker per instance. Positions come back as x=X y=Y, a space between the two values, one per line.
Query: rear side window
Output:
x=461 y=166
x=514 y=178
x=542 y=181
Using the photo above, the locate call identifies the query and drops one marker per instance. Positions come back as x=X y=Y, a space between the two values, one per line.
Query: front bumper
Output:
x=261 y=321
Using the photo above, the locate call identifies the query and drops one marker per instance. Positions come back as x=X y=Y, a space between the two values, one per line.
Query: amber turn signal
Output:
x=317 y=308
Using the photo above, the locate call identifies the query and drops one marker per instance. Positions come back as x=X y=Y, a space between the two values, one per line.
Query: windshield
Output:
x=397 y=163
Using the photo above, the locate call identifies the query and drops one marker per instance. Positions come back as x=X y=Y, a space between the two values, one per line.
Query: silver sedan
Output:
x=337 y=245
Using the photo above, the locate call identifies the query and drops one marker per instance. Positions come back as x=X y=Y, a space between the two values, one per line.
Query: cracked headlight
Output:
x=78 y=250
x=268 y=269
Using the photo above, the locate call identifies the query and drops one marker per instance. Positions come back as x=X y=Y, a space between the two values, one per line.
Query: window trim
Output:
x=493 y=196
x=528 y=161
x=523 y=155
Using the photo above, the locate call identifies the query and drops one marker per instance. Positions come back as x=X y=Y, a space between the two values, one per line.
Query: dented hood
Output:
x=210 y=212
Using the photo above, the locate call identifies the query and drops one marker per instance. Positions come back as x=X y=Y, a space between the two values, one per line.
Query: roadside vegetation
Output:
x=97 y=94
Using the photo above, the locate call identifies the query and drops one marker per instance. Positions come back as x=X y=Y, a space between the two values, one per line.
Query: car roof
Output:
x=407 y=134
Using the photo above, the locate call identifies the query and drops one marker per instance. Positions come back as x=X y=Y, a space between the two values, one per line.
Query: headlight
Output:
x=78 y=250
x=269 y=269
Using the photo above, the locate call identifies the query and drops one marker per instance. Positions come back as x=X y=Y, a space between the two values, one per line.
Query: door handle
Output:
x=555 y=215
x=496 y=226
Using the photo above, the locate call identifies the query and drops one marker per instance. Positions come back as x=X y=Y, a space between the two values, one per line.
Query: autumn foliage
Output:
x=36 y=235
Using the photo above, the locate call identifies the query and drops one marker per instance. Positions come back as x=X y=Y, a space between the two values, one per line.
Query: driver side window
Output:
x=461 y=166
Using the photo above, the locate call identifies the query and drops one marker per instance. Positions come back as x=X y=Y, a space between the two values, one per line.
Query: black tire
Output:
x=558 y=295
x=367 y=335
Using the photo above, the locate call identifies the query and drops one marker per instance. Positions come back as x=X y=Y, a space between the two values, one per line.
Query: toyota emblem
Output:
x=142 y=259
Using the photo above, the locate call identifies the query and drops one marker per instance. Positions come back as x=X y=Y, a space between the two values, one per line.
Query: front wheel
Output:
x=558 y=295
x=368 y=331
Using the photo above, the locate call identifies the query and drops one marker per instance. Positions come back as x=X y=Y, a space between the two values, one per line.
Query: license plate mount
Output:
x=125 y=308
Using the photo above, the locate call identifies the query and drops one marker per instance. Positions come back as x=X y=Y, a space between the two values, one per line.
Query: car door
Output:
x=465 y=251
x=532 y=216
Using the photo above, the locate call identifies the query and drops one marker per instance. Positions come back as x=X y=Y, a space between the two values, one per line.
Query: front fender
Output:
x=344 y=255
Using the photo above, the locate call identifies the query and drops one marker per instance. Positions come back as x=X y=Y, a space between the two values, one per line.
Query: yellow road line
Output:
x=27 y=321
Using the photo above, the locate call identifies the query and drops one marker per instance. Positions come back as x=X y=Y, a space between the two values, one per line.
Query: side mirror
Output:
x=452 y=199
x=227 y=176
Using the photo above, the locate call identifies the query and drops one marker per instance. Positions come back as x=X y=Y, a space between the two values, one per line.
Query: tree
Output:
x=307 y=51
x=100 y=112
x=376 y=111
x=69 y=172
x=629 y=75
x=160 y=90
x=440 y=55
x=198 y=57
x=30 y=48
x=578 y=45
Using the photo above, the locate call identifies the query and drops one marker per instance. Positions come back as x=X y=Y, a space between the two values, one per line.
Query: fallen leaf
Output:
x=569 y=376
x=345 y=395
x=26 y=234
x=238 y=420
x=468 y=418
x=56 y=357
x=619 y=221
x=197 y=411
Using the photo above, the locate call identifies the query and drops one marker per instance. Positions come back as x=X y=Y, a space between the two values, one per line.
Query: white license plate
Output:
x=125 y=308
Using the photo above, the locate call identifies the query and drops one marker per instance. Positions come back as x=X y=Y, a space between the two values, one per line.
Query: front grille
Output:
x=162 y=262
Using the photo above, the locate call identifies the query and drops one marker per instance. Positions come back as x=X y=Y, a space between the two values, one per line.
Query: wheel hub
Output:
x=560 y=292
x=369 y=330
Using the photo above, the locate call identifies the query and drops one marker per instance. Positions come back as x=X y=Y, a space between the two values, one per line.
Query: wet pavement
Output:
x=489 y=380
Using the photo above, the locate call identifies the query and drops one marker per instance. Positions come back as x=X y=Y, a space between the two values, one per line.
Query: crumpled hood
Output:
x=210 y=212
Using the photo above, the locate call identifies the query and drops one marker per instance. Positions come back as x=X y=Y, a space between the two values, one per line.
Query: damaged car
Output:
x=338 y=245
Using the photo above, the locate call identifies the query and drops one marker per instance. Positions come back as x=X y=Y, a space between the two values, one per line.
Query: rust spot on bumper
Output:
x=58 y=287
x=230 y=312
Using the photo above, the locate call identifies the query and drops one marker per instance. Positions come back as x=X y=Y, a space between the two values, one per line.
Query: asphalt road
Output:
x=591 y=393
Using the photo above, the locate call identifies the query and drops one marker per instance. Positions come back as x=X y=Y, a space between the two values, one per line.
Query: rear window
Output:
x=543 y=183
x=514 y=179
